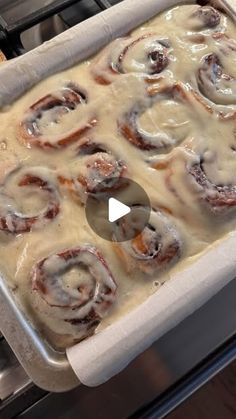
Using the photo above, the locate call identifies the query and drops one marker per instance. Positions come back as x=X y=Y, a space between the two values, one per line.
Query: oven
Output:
x=178 y=363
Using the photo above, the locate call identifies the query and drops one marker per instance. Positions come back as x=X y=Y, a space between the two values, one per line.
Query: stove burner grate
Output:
x=13 y=23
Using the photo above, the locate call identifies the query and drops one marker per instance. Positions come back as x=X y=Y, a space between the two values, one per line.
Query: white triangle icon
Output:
x=116 y=210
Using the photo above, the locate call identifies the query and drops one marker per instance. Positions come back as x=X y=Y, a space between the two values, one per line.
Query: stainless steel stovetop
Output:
x=169 y=359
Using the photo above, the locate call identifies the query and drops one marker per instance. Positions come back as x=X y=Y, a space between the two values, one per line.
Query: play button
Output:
x=118 y=214
x=116 y=210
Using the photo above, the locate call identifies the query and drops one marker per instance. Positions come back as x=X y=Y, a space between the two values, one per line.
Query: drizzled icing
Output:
x=35 y=128
x=156 y=247
x=84 y=299
x=14 y=221
x=171 y=84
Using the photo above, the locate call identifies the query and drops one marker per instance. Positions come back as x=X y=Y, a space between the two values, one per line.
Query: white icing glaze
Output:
x=195 y=127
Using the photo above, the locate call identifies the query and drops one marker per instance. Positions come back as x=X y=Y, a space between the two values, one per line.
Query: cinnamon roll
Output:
x=75 y=288
x=219 y=199
x=38 y=182
x=158 y=246
x=148 y=54
x=204 y=17
x=214 y=81
x=49 y=112
x=95 y=170
x=166 y=117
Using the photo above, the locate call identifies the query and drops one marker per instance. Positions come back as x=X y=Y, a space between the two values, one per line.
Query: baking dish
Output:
x=45 y=366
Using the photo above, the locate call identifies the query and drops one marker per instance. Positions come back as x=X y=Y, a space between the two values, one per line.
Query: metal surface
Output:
x=104 y=4
x=49 y=369
x=21 y=401
x=85 y=9
x=12 y=376
x=211 y=366
x=19 y=15
x=29 y=13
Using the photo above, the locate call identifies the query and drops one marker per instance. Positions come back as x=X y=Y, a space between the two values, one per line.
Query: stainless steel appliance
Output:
x=191 y=353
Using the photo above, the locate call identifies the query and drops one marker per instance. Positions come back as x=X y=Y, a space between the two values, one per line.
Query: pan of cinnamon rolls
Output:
x=157 y=106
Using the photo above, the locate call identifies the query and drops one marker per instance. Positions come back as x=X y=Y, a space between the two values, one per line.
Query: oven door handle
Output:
x=190 y=383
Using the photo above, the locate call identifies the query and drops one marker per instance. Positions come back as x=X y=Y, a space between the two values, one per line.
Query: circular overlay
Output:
x=104 y=204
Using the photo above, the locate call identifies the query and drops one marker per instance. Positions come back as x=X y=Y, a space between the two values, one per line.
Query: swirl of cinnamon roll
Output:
x=75 y=287
x=218 y=198
x=50 y=110
x=205 y=17
x=148 y=54
x=225 y=44
x=214 y=81
x=156 y=247
x=38 y=181
x=95 y=170
x=164 y=115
